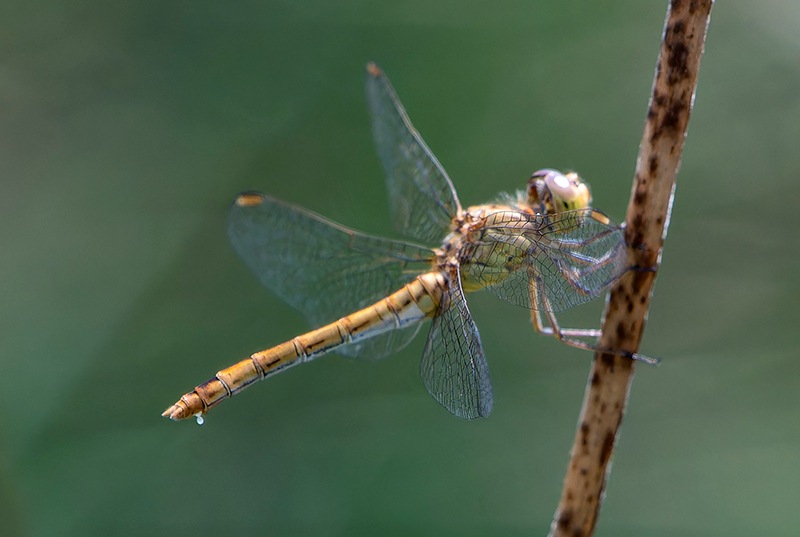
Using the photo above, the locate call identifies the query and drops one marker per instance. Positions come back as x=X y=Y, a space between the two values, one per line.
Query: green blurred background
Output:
x=126 y=129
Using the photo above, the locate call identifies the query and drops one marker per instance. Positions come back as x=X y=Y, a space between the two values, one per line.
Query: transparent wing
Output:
x=382 y=345
x=569 y=258
x=323 y=269
x=454 y=368
x=422 y=197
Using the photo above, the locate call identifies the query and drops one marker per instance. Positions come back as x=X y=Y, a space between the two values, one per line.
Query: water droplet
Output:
x=199 y=418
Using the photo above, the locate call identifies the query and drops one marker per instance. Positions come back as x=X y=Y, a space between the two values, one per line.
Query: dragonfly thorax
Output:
x=485 y=244
x=488 y=243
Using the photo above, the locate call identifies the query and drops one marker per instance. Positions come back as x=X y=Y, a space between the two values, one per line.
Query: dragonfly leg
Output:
x=558 y=332
x=554 y=329
x=569 y=336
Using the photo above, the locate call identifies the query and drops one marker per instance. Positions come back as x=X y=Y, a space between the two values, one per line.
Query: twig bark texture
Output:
x=626 y=310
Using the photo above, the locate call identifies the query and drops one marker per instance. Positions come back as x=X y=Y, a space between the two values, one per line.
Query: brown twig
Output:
x=626 y=311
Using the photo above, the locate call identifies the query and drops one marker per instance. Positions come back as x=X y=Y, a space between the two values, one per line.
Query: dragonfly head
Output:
x=550 y=191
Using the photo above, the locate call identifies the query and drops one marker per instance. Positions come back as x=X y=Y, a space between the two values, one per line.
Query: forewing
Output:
x=321 y=268
x=571 y=257
x=454 y=368
x=422 y=198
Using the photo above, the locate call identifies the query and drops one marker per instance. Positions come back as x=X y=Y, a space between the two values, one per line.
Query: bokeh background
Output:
x=126 y=129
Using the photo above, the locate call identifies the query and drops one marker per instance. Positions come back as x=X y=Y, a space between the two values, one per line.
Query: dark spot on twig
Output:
x=595 y=379
x=620 y=332
x=678 y=57
x=635 y=237
x=607 y=449
x=639 y=281
x=678 y=27
x=653 y=113
x=653 y=164
x=633 y=328
x=674 y=115
x=565 y=519
x=655 y=136
x=640 y=196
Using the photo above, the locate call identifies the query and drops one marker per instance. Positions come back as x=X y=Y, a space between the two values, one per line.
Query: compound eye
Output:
x=560 y=185
x=544 y=174
x=564 y=192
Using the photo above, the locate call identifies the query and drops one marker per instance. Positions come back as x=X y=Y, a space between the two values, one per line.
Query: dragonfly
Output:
x=543 y=248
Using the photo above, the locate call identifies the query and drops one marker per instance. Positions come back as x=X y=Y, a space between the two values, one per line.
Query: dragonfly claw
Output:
x=645 y=359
